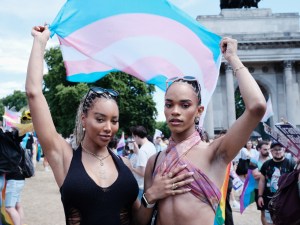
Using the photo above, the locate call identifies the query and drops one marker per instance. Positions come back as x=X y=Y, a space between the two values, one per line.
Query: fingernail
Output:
x=184 y=165
x=188 y=189
x=190 y=180
x=191 y=173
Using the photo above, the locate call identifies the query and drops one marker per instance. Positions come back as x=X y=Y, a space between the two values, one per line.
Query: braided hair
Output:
x=197 y=89
x=86 y=103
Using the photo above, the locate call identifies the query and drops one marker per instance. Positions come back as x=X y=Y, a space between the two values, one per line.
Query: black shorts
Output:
x=256 y=201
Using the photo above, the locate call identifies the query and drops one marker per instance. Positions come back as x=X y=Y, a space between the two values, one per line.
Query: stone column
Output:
x=230 y=95
x=290 y=103
x=209 y=120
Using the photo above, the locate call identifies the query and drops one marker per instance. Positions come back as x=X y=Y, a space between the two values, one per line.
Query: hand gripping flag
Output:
x=149 y=39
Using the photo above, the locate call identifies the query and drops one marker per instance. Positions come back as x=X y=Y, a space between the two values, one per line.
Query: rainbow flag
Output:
x=220 y=213
x=248 y=193
x=152 y=40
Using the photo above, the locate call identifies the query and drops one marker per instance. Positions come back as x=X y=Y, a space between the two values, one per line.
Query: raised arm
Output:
x=52 y=143
x=255 y=105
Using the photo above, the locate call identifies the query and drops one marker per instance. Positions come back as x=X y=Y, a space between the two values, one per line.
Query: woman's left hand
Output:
x=171 y=183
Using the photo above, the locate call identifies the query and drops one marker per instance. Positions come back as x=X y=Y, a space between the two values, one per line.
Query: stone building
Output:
x=269 y=45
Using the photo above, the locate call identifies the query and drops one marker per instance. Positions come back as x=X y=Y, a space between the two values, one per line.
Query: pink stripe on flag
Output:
x=85 y=66
x=146 y=67
x=94 y=42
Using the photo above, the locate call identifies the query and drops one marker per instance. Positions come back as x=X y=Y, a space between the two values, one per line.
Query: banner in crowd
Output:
x=151 y=40
x=288 y=136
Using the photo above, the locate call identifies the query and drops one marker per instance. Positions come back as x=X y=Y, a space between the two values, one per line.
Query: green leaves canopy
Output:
x=136 y=104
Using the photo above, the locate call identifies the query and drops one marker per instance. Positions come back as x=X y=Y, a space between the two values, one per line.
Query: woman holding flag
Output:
x=208 y=161
x=96 y=186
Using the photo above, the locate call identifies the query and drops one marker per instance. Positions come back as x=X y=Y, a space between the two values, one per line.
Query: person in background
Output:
x=263 y=148
x=15 y=182
x=143 y=153
x=247 y=152
x=270 y=171
x=158 y=143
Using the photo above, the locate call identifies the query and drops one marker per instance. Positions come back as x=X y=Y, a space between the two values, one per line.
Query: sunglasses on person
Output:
x=101 y=92
x=184 y=78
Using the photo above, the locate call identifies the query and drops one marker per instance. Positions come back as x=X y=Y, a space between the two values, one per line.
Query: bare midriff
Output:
x=184 y=209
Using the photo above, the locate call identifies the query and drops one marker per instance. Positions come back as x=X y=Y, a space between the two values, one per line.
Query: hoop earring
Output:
x=197 y=127
x=196 y=120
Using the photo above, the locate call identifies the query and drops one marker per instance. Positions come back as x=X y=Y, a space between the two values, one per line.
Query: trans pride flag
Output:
x=10 y=118
x=150 y=39
x=248 y=193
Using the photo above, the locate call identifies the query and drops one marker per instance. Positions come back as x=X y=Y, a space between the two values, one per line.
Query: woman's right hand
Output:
x=167 y=184
x=41 y=33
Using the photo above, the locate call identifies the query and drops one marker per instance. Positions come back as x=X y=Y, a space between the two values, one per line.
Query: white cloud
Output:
x=7 y=88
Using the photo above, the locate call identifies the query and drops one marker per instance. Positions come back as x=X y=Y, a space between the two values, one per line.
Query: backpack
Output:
x=284 y=206
x=26 y=166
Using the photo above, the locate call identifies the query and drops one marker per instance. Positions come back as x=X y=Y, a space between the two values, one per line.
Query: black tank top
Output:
x=86 y=203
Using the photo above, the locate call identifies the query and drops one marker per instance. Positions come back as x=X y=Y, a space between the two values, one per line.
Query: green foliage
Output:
x=1 y=110
x=18 y=100
x=239 y=103
x=163 y=127
x=136 y=104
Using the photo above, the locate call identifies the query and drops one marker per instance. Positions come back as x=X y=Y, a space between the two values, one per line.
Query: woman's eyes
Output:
x=167 y=105
x=183 y=105
x=100 y=120
x=115 y=122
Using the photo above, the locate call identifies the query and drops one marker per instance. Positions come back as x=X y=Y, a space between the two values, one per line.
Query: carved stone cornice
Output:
x=268 y=45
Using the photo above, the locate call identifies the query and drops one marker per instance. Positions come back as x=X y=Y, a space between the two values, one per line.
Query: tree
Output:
x=17 y=99
x=163 y=127
x=136 y=104
x=1 y=109
x=239 y=103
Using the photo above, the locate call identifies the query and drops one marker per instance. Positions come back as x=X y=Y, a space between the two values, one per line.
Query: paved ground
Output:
x=42 y=205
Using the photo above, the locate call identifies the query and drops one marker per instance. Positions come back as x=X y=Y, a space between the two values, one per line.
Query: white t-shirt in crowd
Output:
x=145 y=152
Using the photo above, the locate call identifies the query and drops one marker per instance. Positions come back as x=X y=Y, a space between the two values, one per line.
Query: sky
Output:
x=17 y=17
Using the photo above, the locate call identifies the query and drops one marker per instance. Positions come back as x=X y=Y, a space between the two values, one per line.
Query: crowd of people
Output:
x=169 y=181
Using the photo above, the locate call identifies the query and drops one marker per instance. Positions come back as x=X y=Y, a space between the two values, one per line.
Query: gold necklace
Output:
x=96 y=156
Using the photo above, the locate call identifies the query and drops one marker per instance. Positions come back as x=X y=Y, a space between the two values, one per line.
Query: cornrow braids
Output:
x=86 y=103
x=195 y=85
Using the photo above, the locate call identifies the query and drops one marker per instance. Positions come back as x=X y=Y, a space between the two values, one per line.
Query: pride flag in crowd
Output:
x=220 y=213
x=248 y=193
x=121 y=144
x=269 y=111
x=10 y=117
x=150 y=39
